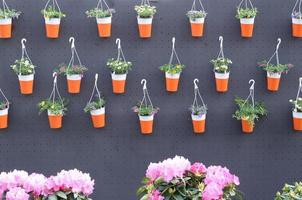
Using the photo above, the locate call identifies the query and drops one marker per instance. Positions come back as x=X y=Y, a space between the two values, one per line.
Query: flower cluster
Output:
x=19 y=185
x=297 y=104
x=177 y=178
x=23 y=67
x=221 y=65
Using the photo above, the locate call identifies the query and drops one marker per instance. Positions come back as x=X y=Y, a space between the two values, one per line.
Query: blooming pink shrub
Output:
x=17 y=193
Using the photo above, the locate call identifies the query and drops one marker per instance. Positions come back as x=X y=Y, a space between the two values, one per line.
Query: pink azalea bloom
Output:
x=221 y=176
x=198 y=168
x=153 y=171
x=17 y=193
x=35 y=184
x=212 y=191
x=155 y=195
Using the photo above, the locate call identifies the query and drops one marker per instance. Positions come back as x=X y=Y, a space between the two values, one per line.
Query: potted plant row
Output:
x=145 y=13
x=6 y=19
x=197 y=19
x=246 y=14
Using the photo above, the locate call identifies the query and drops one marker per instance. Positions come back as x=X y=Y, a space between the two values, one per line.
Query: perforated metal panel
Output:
x=118 y=155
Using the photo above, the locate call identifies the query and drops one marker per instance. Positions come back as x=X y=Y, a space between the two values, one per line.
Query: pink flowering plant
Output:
x=178 y=179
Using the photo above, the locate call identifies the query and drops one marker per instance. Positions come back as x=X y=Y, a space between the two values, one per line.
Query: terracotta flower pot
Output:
x=247 y=27
x=52 y=26
x=247 y=127
x=104 y=26
x=273 y=81
x=74 y=83
x=4 y=118
x=26 y=83
x=199 y=123
x=98 y=118
x=118 y=83
x=297 y=27
x=197 y=27
x=6 y=28
x=172 y=81
x=55 y=121
x=145 y=27
x=146 y=123
x=222 y=81
x=297 y=121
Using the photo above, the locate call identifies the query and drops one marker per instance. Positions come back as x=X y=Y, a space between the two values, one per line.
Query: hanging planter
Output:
x=96 y=107
x=246 y=14
x=52 y=15
x=103 y=16
x=172 y=71
x=297 y=109
x=6 y=18
x=4 y=107
x=55 y=106
x=248 y=110
x=145 y=13
x=198 y=111
x=119 y=69
x=74 y=72
x=145 y=111
x=274 y=71
x=221 y=69
x=25 y=71
x=297 y=20
x=197 y=18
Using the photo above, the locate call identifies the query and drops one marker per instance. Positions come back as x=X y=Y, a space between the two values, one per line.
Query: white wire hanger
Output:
x=173 y=53
x=251 y=96
x=299 y=91
x=246 y=4
x=197 y=95
x=194 y=6
x=5 y=7
x=74 y=53
x=102 y=4
x=7 y=102
x=95 y=90
x=146 y=98
x=145 y=2
x=221 y=53
x=120 y=54
x=276 y=53
x=54 y=4
x=55 y=91
x=297 y=4
x=24 y=55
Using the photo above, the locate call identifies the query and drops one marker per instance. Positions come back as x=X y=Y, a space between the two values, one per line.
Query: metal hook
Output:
x=173 y=42
x=55 y=75
x=252 y=81
x=23 y=41
x=144 y=82
x=221 y=41
x=71 y=40
x=96 y=78
x=278 y=44
x=118 y=42
x=195 y=83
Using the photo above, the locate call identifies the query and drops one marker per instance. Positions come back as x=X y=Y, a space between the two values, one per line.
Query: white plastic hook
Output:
x=118 y=42
x=144 y=82
x=71 y=40
x=300 y=81
x=221 y=41
x=195 y=83
x=173 y=42
x=252 y=82
x=23 y=41
x=96 y=78
x=55 y=75
x=278 y=43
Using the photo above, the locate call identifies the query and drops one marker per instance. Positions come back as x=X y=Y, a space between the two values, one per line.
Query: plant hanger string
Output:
x=145 y=2
x=252 y=93
x=221 y=53
x=197 y=95
x=173 y=53
x=276 y=53
x=194 y=6
x=2 y=93
x=146 y=98
x=73 y=52
x=5 y=7
x=120 y=54
x=299 y=90
x=246 y=4
x=95 y=89
x=297 y=4
x=100 y=5
x=55 y=90
x=24 y=55
x=54 y=4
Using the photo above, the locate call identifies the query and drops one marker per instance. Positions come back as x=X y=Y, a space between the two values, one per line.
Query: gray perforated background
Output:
x=118 y=155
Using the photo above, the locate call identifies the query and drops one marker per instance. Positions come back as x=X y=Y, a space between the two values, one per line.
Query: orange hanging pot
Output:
x=26 y=83
x=297 y=121
x=74 y=83
x=146 y=124
x=98 y=118
x=197 y=27
x=172 y=81
x=6 y=28
x=104 y=27
x=247 y=27
x=55 y=120
x=52 y=26
x=145 y=27
x=222 y=81
x=273 y=81
x=296 y=27
x=199 y=123
x=4 y=118
x=118 y=83
x=247 y=126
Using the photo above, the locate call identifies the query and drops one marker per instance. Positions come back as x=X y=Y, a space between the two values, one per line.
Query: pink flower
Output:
x=212 y=191
x=198 y=168
x=12 y=179
x=155 y=195
x=221 y=176
x=35 y=184
x=17 y=193
x=154 y=171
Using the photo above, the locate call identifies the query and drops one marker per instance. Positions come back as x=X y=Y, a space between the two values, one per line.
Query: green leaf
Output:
x=61 y=194
x=52 y=197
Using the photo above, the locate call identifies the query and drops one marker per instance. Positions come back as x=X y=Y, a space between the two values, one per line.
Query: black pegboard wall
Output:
x=118 y=155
